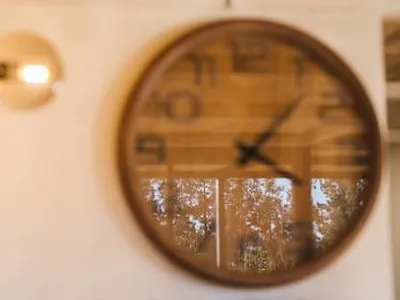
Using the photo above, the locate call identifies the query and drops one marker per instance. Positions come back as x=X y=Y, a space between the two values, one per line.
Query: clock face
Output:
x=249 y=153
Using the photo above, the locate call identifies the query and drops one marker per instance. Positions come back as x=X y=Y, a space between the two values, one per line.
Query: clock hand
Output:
x=247 y=153
x=252 y=151
x=266 y=135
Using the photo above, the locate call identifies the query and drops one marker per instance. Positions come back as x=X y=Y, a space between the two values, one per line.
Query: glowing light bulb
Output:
x=34 y=74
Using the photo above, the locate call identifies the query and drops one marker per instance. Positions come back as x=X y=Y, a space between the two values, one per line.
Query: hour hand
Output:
x=246 y=152
x=252 y=152
x=284 y=173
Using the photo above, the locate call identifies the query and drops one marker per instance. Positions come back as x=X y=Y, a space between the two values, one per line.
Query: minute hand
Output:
x=265 y=136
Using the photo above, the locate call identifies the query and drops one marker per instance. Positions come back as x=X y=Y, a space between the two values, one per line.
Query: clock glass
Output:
x=249 y=153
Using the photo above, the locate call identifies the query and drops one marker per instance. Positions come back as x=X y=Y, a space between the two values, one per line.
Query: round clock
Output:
x=249 y=153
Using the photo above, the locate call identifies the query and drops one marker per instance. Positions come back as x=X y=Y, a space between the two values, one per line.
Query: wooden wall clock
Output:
x=249 y=153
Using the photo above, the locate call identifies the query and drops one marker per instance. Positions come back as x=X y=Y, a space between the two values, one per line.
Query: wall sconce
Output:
x=30 y=70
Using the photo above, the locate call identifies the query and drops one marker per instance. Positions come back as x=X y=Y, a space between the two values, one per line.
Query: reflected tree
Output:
x=259 y=209
x=155 y=191
x=333 y=215
x=257 y=212
x=194 y=212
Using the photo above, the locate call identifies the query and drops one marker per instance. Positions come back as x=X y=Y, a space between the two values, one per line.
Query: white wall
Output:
x=63 y=233
x=395 y=211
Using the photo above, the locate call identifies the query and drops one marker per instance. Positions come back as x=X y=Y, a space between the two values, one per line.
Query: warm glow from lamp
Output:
x=34 y=74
